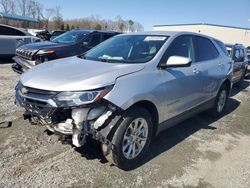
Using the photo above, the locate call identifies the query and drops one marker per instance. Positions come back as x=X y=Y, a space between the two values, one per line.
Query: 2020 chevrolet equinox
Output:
x=127 y=89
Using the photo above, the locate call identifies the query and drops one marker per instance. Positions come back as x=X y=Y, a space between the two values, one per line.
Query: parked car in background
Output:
x=128 y=89
x=12 y=38
x=44 y=35
x=248 y=60
x=55 y=34
x=49 y=35
x=240 y=62
x=71 y=43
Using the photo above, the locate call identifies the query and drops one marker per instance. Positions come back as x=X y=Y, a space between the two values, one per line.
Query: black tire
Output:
x=215 y=111
x=116 y=155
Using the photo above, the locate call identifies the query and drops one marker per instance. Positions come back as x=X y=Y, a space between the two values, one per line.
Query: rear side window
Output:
x=106 y=36
x=205 y=49
x=10 y=31
x=94 y=39
x=222 y=47
x=181 y=46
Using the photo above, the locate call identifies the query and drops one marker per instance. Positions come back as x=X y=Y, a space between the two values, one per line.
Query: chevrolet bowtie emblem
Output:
x=24 y=90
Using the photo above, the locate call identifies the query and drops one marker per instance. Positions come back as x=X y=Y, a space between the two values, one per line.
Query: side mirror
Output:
x=177 y=61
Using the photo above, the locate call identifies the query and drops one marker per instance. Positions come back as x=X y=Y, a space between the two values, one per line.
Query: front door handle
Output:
x=195 y=71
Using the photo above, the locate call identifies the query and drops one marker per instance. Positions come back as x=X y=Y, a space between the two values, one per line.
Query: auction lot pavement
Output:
x=200 y=152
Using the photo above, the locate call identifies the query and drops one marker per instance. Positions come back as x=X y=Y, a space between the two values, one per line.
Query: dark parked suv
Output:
x=239 y=57
x=71 y=43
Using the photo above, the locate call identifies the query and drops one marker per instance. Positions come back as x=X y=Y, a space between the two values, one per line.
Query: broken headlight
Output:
x=78 y=98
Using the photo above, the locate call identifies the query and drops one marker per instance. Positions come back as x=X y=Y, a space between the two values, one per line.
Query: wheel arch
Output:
x=228 y=84
x=151 y=108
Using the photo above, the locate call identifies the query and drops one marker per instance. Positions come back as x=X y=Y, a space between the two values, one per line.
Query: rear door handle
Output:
x=195 y=71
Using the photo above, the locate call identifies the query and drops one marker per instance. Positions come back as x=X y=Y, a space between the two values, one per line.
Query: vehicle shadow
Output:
x=240 y=87
x=165 y=140
x=6 y=61
x=175 y=135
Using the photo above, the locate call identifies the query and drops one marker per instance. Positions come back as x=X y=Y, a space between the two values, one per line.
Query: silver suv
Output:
x=128 y=89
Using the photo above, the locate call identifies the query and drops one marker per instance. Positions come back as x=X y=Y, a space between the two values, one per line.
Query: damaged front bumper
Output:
x=94 y=120
x=21 y=64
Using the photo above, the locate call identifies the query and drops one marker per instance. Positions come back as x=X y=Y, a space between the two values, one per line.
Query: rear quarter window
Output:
x=223 y=47
x=205 y=49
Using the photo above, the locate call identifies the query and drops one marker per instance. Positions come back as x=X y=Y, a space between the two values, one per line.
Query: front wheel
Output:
x=131 y=139
x=220 y=102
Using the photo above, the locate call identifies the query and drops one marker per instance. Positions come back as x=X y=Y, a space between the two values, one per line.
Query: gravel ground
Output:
x=200 y=152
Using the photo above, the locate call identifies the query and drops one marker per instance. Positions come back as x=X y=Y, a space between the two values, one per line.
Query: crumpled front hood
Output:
x=75 y=74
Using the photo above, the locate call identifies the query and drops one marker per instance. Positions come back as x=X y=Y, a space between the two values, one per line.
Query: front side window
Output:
x=236 y=54
x=93 y=40
x=242 y=53
x=71 y=37
x=127 y=49
x=205 y=49
x=181 y=46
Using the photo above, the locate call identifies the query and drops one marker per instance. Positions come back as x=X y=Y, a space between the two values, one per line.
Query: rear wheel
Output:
x=220 y=102
x=131 y=139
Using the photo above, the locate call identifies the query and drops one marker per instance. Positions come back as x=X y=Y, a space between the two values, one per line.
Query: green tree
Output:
x=131 y=24
x=72 y=27
x=67 y=27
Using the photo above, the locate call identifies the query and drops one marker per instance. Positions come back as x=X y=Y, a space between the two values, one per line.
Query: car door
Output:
x=182 y=85
x=10 y=39
x=212 y=68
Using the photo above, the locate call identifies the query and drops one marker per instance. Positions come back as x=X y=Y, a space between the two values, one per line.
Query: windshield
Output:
x=127 y=49
x=70 y=37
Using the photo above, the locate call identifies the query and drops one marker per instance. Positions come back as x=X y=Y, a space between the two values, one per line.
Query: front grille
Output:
x=24 y=54
x=40 y=92
x=35 y=101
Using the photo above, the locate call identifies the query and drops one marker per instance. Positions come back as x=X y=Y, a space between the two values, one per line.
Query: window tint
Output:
x=181 y=46
x=237 y=54
x=93 y=40
x=242 y=53
x=205 y=49
x=71 y=37
x=223 y=47
x=10 y=31
x=106 y=36
x=127 y=49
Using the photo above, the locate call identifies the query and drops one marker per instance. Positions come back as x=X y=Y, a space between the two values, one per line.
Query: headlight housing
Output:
x=78 y=98
x=42 y=52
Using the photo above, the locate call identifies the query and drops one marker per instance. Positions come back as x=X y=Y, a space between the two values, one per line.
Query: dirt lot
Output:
x=200 y=152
